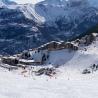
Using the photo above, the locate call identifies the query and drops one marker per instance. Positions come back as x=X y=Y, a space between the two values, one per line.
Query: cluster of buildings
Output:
x=41 y=54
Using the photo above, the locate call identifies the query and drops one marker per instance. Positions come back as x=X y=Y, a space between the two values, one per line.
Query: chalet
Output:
x=69 y=45
x=61 y=45
x=77 y=41
x=75 y=47
x=49 y=46
x=25 y=55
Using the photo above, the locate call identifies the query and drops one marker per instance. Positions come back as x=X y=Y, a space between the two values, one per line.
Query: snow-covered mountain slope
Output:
x=84 y=57
x=69 y=82
x=25 y=26
x=30 y=13
x=53 y=9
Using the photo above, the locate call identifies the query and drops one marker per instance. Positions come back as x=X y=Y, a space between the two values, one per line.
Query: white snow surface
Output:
x=68 y=83
x=16 y=86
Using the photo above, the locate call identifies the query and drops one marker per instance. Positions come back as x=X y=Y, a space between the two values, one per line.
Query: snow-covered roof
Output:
x=26 y=61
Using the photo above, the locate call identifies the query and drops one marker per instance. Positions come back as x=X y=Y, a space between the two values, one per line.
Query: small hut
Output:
x=10 y=60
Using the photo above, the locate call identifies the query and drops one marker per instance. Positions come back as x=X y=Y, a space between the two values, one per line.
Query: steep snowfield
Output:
x=68 y=83
x=29 y=12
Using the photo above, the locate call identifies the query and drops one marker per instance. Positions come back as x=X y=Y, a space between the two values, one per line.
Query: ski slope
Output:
x=17 y=86
x=68 y=83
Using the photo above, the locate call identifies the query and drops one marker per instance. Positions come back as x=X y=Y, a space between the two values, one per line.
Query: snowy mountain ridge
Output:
x=44 y=10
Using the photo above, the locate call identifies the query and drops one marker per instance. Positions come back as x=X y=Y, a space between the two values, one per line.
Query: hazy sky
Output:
x=26 y=1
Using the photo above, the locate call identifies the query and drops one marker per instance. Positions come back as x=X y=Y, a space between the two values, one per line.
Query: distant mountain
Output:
x=5 y=3
x=24 y=26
